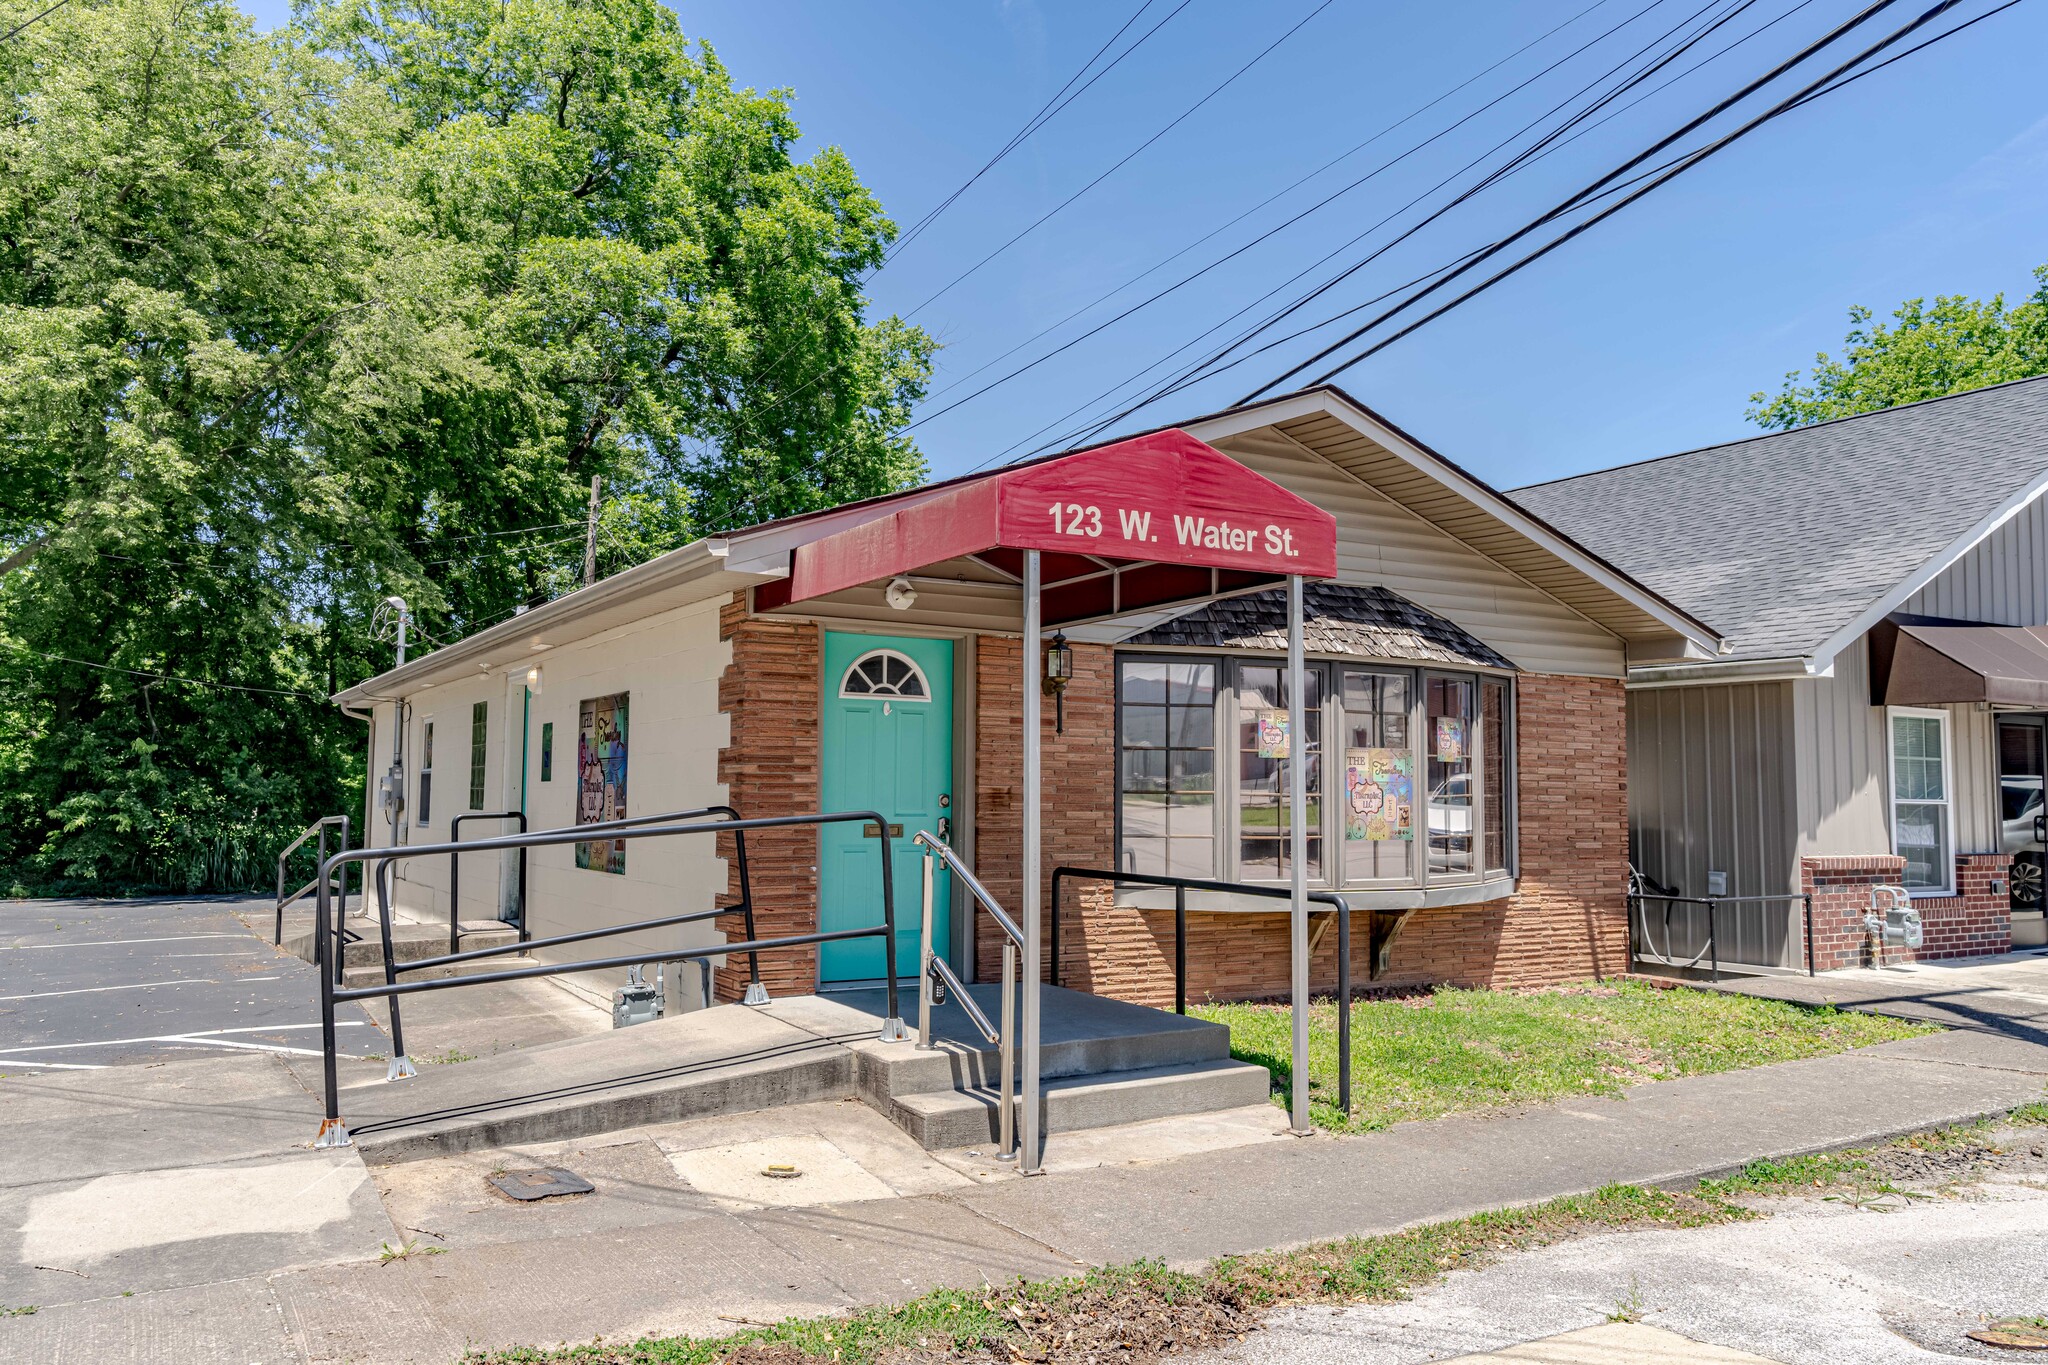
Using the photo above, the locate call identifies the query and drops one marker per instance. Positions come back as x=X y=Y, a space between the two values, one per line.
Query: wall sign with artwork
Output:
x=1450 y=739
x=1273 y=734
x=601 y=778
x=1379 y=789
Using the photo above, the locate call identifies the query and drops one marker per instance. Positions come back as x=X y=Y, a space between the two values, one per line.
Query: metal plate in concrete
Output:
x=545 y=1182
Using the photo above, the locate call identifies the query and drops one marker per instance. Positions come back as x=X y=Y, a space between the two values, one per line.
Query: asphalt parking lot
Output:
x=87 y=984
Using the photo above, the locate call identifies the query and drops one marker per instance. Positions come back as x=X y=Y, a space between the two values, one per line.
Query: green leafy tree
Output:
x=292 y=321
x=1926 y=351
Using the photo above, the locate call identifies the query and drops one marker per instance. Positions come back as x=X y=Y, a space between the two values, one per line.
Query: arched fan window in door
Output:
x=885 y=673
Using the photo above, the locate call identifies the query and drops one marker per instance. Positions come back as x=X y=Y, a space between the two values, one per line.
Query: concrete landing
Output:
x=1104 y=1063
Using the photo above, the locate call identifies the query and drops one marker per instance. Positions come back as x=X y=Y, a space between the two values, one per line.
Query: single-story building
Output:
x=1465 y=718
x=1877 y=716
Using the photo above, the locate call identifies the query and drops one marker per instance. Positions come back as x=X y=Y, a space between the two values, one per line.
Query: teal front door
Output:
x=888 y=747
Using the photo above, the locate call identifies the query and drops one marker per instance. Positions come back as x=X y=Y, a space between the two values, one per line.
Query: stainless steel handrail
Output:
x=932 y=968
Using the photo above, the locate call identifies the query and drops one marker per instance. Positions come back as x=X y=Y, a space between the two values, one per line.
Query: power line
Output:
x=754 y=499
x=1565 y=206
x=1296 y=184
x=1047 y=112
x=1513 y=166
x=1316 y=207
x=161 y=677
x=1810 y=92
x=35 y=19
x=1175 y=122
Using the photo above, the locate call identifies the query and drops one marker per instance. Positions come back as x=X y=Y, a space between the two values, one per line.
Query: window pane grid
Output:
x=1920 y=814
x=1167 y=768
x=479 y=735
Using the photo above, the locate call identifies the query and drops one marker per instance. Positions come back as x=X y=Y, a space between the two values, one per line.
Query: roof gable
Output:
x=1793 y=543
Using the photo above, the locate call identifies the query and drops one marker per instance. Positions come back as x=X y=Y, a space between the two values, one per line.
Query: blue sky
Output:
x=1646 y=335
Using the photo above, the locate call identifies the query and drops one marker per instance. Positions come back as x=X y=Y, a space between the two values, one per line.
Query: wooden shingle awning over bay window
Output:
x=1136 y=525
x=1337 y=618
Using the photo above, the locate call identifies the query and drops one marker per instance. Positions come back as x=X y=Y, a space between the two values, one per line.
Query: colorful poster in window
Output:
x=1450 y=739
x=1379 y=788
x=1273 y=734
x=601 y=778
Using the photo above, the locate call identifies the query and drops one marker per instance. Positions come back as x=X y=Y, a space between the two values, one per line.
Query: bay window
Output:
x=1418 y=790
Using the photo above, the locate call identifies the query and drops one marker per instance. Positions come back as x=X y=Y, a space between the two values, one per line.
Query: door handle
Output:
x=871 y=830
x=945 y=830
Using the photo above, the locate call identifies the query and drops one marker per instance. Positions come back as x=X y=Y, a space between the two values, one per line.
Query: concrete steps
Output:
x=409 y=942
x=962 y=1118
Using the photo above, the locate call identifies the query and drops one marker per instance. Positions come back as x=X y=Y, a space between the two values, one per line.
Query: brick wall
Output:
x=1567 y=921
x=1077 y=815
x=770 y=694
x=1975 y=922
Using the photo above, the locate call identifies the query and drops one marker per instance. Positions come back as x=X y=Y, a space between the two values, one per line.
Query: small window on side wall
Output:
x=1921 y=832
x=547 y=751
x=426 y=771
x=479 y=737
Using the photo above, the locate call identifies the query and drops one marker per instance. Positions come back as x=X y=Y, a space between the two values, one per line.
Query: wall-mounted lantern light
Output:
x=533 y=680
x=1059 y=671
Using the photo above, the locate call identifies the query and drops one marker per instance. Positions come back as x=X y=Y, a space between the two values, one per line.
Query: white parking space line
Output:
x=114 y=942
x=56 y=1066
x=9 y=1054
x=131 y=986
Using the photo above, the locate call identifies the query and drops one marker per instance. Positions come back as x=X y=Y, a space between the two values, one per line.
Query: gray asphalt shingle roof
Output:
x=1337 y=618
x=1780 y=540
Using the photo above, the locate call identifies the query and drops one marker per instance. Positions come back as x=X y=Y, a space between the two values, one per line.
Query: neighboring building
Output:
x=1466 y=727
x=1877 y=715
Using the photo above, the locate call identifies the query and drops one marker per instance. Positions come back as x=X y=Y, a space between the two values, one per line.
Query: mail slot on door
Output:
x=871 y=830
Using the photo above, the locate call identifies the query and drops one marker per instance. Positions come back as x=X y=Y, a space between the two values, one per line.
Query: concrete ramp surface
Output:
x=1104 y=1062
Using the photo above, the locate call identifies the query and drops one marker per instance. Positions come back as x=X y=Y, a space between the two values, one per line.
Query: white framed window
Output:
x=885 y=673
x=1922 y=818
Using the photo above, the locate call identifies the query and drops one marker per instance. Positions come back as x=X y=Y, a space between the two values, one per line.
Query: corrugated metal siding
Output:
x=1843 y=785
x=1381 y=542
x=2003 y=580
x=1711 y=787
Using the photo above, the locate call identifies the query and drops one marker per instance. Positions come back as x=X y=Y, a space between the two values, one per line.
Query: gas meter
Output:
x=1892 y=919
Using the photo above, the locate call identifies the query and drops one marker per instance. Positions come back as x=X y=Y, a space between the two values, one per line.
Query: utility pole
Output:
x=590 y=535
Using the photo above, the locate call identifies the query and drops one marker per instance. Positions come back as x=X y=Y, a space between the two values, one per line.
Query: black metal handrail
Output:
x=455 y=872
x=1711 y=949
x=333 y=1133
x=318 y=829
x=1339 y=907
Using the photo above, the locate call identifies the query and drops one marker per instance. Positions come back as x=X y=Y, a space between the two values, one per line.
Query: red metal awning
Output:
x=1152 y=521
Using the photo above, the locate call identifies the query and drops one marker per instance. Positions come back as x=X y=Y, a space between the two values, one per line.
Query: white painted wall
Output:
x=670 y=665
x=1380 y=542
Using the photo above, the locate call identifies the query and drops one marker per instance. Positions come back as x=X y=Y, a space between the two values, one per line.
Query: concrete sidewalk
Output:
x=166 y=1214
